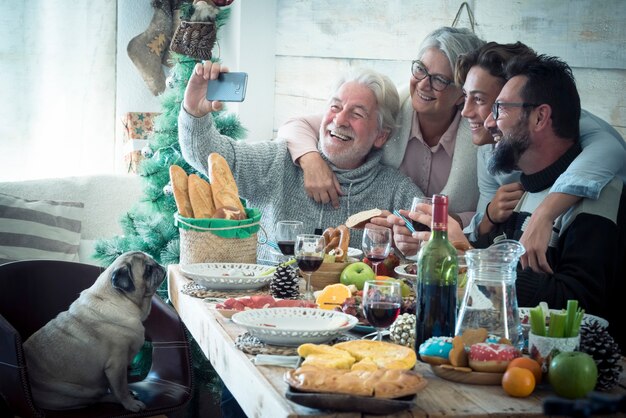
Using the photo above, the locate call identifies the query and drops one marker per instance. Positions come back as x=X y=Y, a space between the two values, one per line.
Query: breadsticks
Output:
x=196 y=198
x=178 y=177
x=201 y=197
x=225 y=191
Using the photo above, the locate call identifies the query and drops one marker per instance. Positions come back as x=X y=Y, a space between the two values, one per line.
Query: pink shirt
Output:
x=429 y=167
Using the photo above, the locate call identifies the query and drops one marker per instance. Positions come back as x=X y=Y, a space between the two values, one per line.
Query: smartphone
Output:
x=229 y=87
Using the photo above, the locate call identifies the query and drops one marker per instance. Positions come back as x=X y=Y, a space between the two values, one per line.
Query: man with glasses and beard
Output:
x=534 y=122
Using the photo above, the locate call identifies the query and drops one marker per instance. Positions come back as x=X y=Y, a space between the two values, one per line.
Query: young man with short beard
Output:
x=535 y=124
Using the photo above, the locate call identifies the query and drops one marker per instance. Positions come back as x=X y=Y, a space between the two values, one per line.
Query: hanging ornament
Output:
x=147 y=152
x=168 y=190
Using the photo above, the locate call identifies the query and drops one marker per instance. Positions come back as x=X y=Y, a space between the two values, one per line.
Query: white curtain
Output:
x=57 y=69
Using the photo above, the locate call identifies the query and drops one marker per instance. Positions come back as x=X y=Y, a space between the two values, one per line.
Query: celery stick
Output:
x=537 y=321
x=557 y=325
x=578 y=319
x=572 y=308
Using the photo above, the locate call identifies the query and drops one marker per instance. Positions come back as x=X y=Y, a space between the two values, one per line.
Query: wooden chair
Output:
x=33 y=292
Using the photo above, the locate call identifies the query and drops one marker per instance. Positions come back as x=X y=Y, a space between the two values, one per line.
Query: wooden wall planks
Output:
x=317 y=39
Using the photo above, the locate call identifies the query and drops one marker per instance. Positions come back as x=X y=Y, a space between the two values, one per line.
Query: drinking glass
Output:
x=381 y=304
x=376 y=244
x=309 y=252
x=416 y=225
x=286 y=233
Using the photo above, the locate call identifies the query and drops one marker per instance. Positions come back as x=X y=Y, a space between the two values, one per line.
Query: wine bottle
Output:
x=437 y=272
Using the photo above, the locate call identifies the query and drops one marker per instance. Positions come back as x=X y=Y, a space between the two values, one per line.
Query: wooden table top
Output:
x=260 y=389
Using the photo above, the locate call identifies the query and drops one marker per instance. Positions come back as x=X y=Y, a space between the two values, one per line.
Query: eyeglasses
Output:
x=495 y=109
x=437 y=82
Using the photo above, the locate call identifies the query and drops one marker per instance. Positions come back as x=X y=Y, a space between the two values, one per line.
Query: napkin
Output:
x=275 y=360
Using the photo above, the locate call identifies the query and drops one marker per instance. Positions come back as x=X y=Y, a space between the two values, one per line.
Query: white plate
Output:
x=401 y=272
x=294 y=326
x=587 y=318
x=227 y=276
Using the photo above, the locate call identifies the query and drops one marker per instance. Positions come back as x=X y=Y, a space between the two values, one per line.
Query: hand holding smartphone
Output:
x=229 y=87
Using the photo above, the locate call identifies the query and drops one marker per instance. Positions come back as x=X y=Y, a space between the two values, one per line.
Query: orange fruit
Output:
x=527 y=363
x=518 y=382
x=332 y=296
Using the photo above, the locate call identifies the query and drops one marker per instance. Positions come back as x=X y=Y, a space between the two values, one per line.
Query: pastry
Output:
x=178 y=177
x=322 y=355
x=458 y=355
x=436 y=350
x=381 y=383
x=225 y=191
x=200 y=197
x=384 y=354
x=365 y=364
x=488 y=357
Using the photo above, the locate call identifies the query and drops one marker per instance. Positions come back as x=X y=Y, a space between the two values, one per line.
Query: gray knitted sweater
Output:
x=268 y=180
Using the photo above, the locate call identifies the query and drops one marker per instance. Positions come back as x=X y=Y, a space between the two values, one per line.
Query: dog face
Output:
x=137 y=276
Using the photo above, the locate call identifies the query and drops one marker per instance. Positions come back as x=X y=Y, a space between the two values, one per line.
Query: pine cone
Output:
x=596 y=341
x=285 y=283
x=402 y=331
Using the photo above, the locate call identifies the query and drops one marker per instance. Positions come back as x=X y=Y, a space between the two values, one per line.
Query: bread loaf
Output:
x=225 y=191
x=201 y=197
x=229 y=212
x=384 y=354
x=381 y=383
x=178 y=177
x=358 y=220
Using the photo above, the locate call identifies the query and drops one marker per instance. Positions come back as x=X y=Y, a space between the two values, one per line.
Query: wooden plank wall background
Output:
x=316 y=39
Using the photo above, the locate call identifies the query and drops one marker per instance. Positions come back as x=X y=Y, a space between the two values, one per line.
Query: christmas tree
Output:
x=149 y=225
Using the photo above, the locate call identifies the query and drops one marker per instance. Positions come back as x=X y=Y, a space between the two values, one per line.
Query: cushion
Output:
x=39 y=229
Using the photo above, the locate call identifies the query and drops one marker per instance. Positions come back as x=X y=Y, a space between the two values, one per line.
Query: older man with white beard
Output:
x=358 y=121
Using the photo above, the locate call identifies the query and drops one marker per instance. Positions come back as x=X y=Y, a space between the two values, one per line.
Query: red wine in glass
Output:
x=381 y=314
x=308 y=263
x=420 y=226
x=287 y=247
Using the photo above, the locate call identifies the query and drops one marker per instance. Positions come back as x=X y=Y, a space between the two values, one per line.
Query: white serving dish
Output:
x=227 y=276
x=294 y=326
x=401 y=272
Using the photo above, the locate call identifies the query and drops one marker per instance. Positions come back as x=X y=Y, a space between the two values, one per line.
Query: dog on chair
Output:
x=81 y=356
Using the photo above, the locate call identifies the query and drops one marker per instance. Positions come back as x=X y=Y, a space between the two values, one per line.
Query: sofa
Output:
x=61 y=218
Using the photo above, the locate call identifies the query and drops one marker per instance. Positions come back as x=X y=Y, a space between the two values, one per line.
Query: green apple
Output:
x=572 y=374
x=357 y=274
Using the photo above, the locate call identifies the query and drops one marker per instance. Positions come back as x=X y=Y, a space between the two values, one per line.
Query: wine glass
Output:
x=416 y=225
x=376 y=244
x=286 y=233
x=309 y=253
x=381 y=304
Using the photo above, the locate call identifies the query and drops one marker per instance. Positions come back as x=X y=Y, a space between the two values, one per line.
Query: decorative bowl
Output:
x=294 y=326
x=227 y=276
x=524 y=317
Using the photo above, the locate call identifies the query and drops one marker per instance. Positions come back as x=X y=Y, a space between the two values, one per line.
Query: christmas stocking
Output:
x=147 y=50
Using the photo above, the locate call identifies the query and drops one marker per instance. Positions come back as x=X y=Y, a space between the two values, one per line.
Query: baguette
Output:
x=229 y=212
x=225 y=191
x=178 y=177
x=201 y=197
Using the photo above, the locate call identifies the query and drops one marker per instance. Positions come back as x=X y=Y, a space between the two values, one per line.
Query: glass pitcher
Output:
x=490 y=299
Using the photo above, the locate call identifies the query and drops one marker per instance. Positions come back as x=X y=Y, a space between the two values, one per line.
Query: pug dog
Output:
x=81 y=356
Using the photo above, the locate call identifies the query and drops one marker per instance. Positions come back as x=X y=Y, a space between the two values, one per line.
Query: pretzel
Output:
x=328 y=235
x=344 y=240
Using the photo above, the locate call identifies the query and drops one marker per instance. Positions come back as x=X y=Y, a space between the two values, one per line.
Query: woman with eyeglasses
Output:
x=432 y=141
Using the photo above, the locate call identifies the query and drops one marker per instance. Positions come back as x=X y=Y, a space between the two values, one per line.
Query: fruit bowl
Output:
x=294 y=326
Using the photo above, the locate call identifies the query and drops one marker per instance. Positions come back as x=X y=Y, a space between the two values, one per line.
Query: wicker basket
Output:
x=327 y=274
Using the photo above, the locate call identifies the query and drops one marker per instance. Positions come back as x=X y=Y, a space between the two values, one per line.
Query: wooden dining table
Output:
x=260 y=390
